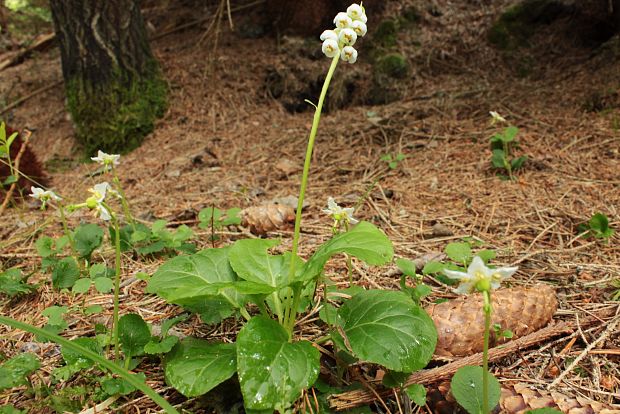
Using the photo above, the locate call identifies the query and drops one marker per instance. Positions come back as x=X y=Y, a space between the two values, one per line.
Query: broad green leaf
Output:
x=599 y=225
x=417 y=394
x=209 y=215
x=433 y=267
x=510 y=133
x=169 y=323
x=517 y=163
x=14 y=371
x=45 y=246
x=272 y=371
x=10 y=180
x=118 y=386
x=65 y=273
x=486 y=255
x=74 y=361
x=98 y=269
x=93 y=309
x=133 y=334
x=194 y=366
x=87 y=238
x=545 y=410
x=9 y=409
x=103 y=284
x=466 y=386
x=406 y=266
x=388 y=328
x=251 y=261
x=155 y=346
x=55 y=314
x=364 y=241
x=497 y=158
x=12 y=283
x=232 y=217
x=459 y=252
x=81 y=285
x=393 y=379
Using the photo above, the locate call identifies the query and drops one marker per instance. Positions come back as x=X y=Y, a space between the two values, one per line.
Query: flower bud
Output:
x=347 y=37
x=359 y=27
x=329 y=34
x=355 y=11
x=348 y=54
x=342 y=20
x=330 y=48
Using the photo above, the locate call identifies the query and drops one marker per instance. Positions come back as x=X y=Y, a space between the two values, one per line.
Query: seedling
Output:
x=13 y=283
x=502 y=147
x=597 y=227
x=393 y=160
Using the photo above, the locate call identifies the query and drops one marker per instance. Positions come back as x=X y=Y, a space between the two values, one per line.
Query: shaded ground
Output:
x=219 y=110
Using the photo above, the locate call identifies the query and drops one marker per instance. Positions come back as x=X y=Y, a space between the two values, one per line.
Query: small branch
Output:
x=31 y=95
x=9 y=194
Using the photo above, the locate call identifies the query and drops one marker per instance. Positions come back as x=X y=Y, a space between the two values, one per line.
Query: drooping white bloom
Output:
x=355 y=12
x=338 y=213
x=480 y=277
x=359 y=27
x=44 y=196
x=329 y=34
x=348 y=54
x=95 y=202
x=496 y=117
x=330 y=48
x=347 y=37
x=342 y=20
x=107 y=160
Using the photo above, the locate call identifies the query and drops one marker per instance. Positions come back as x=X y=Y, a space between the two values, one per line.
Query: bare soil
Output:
x=222 y=138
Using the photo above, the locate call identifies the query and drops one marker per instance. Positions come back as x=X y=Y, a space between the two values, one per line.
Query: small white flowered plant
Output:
x=496 y=117
x=339 y=214
x=44 y=196
x=480 y=277
x=107 y=160
x=349 y=26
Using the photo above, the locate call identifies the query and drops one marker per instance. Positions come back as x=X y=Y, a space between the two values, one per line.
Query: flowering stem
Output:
x=485 y=351
x=507 y=161
x=124 y=201
x=292 y=313
x=117 y=282
x=65 y=227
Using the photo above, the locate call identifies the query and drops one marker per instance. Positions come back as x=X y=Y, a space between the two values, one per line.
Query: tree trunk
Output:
x=114 y=87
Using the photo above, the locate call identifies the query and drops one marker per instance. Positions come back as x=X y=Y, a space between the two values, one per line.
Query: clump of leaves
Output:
x=393 y=160
x=157 y=239
x=502 y=147
x=466 y=387
x=13 y=283
x=597 y=226
x=218 y=219
x=16 y=370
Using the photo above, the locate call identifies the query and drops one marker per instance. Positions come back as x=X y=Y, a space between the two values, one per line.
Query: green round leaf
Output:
x=195 y=367
x=87 y=238
x=272 y=371
x=388 y=328
x=104 y=284
x=417 y=394
x=14 y=371
x=459 y=252
x=133 y=334
x=466 y=386
x=81 y=285
x=65 y=273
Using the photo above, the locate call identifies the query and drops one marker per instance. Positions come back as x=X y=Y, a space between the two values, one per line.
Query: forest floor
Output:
x=225 y=142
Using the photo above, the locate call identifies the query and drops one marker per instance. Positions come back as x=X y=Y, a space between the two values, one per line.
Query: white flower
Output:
x=497 y=117
x=349 y=54
x=329 y=34
x=107 y=160
x=342 y=20
x=95 y=202
x=347 y=37
x=330 y=48
x=359 y=27
x=480 y=277
x=43 y=195
x=338 y=213
x=355 y=12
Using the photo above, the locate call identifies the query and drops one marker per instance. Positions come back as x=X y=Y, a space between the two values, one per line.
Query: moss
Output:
x=116 y=116
x=409 y=17
x=385 y=35
x=393 y=65
x=514 y=28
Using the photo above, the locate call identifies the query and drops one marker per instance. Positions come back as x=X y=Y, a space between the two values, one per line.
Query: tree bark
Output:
x=114 y=86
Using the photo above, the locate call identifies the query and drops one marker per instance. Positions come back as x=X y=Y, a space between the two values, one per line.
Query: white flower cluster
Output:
x=349 y=26
x=96 y=201
x=339 y=214
x=44 y=196
x=107 y=160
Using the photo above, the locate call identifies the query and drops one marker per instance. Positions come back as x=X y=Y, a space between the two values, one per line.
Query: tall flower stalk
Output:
x=337 y=44
x=483 y=279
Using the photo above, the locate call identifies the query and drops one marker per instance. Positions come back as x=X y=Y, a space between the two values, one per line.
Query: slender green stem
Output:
x=507 y=161
x=117 y=282
x=65 y=227
x=111 y=366
x=485 y=352
x=304 y=180
x=124 y=201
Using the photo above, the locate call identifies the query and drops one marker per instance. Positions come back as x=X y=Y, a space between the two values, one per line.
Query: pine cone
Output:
x=460 y=322
x=269 y=217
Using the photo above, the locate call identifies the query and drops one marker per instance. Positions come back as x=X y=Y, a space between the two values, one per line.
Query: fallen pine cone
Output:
x=518 y=399
x=460 y=322
x=268 y=217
